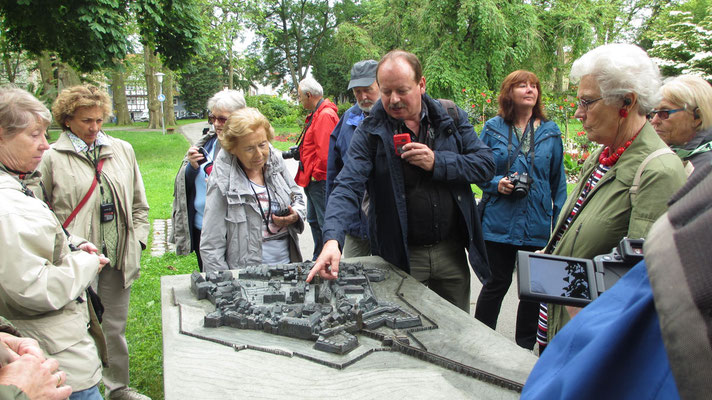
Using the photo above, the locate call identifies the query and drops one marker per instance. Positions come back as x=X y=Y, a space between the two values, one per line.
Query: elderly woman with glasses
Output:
x=45 y=272
x=254 y=209
x=190 y=183
x=683 y=119
x=618 y=86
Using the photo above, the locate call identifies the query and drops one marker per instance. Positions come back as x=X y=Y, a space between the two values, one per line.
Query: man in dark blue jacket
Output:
x=365 y=88
x=422 y=214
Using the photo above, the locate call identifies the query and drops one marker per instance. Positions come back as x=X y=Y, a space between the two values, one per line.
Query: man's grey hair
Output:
x=620 y=69
x=311 y=86
x=227 y=100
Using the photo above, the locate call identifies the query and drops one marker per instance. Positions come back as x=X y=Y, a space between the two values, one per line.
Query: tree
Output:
x=200 y=79
x=682 y=40
x=349 y=44
x=292 y=32
x=87 y=34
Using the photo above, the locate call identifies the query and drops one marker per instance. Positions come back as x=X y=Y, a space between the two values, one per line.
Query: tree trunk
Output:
x=118 y=89
x=168 y=90
x=231 y=67
x=559 y=68
x=47 y=75
x=154 y=107
x=67 y=77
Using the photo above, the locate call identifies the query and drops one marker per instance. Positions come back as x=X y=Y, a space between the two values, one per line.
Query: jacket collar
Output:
x=65 y=144
x=433 y=110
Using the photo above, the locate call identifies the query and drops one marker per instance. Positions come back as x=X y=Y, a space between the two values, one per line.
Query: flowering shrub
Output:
x=480 y=104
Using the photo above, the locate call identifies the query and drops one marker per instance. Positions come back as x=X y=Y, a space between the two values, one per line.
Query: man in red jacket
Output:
x=313 y=153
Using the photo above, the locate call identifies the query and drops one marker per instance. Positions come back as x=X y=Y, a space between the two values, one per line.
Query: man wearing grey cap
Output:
x=365 y=89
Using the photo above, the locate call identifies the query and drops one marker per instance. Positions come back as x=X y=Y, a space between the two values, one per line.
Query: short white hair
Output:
x=311 y=86
x=227 y=100
x=620 y=69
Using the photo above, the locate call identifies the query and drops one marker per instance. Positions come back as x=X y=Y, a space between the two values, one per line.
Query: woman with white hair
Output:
x=624 y=186
x=683 y=119
x=190 y=183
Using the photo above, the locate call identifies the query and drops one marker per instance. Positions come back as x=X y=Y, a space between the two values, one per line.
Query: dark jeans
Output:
x=502 y=258
x=316 y=200
x=195 y=239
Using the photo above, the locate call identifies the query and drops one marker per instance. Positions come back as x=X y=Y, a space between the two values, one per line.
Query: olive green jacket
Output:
x=609 y=215
x=68 y=175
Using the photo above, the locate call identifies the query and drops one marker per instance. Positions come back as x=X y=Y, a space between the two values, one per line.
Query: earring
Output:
x=623 y=112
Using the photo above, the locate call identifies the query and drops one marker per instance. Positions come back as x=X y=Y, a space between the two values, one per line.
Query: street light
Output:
x=161 y=98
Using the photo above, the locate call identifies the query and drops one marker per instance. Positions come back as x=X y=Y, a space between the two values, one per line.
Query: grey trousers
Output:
x=110 y=288
x=444 y=269
x=356 y=247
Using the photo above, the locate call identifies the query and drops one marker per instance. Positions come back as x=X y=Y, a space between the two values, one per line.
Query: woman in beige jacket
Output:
x=114 y=214
x=44 y=272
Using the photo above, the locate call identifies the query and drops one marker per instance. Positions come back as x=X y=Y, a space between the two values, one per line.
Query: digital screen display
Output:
x=558 y=278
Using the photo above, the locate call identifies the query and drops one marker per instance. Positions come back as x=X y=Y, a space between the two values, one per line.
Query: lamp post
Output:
x=161 y=98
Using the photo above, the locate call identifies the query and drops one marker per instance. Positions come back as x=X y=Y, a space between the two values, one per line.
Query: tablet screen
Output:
x=558 y=277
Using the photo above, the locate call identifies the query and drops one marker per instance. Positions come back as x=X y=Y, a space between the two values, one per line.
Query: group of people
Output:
x=74 y=220
x=73 y=223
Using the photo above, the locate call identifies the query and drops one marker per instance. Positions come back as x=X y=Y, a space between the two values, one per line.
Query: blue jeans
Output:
x=316 y=200
x=87 y=394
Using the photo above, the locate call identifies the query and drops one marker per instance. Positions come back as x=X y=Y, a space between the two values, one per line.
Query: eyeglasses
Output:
x=664 y=114
x=584 y=104
x=212 y=119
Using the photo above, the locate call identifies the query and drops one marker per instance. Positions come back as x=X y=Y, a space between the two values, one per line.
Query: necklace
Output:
x=608 y=159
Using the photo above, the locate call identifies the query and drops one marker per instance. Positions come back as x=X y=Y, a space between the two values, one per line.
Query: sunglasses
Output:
x=212 y=119
x=664 y=114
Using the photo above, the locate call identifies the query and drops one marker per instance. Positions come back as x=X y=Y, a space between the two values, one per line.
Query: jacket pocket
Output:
x=58 y=332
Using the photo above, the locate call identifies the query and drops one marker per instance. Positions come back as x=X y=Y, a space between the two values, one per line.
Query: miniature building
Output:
x=277 y=300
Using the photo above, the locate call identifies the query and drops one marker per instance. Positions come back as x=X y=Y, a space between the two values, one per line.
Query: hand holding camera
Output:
x=515 y=184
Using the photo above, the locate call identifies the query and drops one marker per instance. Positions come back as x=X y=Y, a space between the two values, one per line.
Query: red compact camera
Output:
x=399 y=140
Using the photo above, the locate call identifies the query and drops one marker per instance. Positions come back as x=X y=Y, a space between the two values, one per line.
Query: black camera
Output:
x=293 y=152
x=282 y=213
x=522 y=182
x=573 y=281
x=202 y=151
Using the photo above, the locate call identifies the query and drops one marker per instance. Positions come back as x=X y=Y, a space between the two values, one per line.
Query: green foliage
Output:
x=87 y=34
x=682 y=43
x=291 y=32
x=480 y=104
x=342 y=107
x=332 y=65
x=171 y=27
x=199 y=81
x=277 y=110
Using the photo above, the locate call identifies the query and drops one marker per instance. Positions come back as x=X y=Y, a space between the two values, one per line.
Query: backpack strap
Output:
x=636 y=180
x=451 y=109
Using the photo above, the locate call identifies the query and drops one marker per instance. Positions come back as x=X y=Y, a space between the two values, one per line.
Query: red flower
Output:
x=584 y=155
x=474 y=105
x=581 y=133
x=561 y=107
x=489 y=101
x=573 y=105
x=483 y=94
x=463 y=90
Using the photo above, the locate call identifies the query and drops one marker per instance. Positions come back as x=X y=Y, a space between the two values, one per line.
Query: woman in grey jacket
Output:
x=254 y=209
